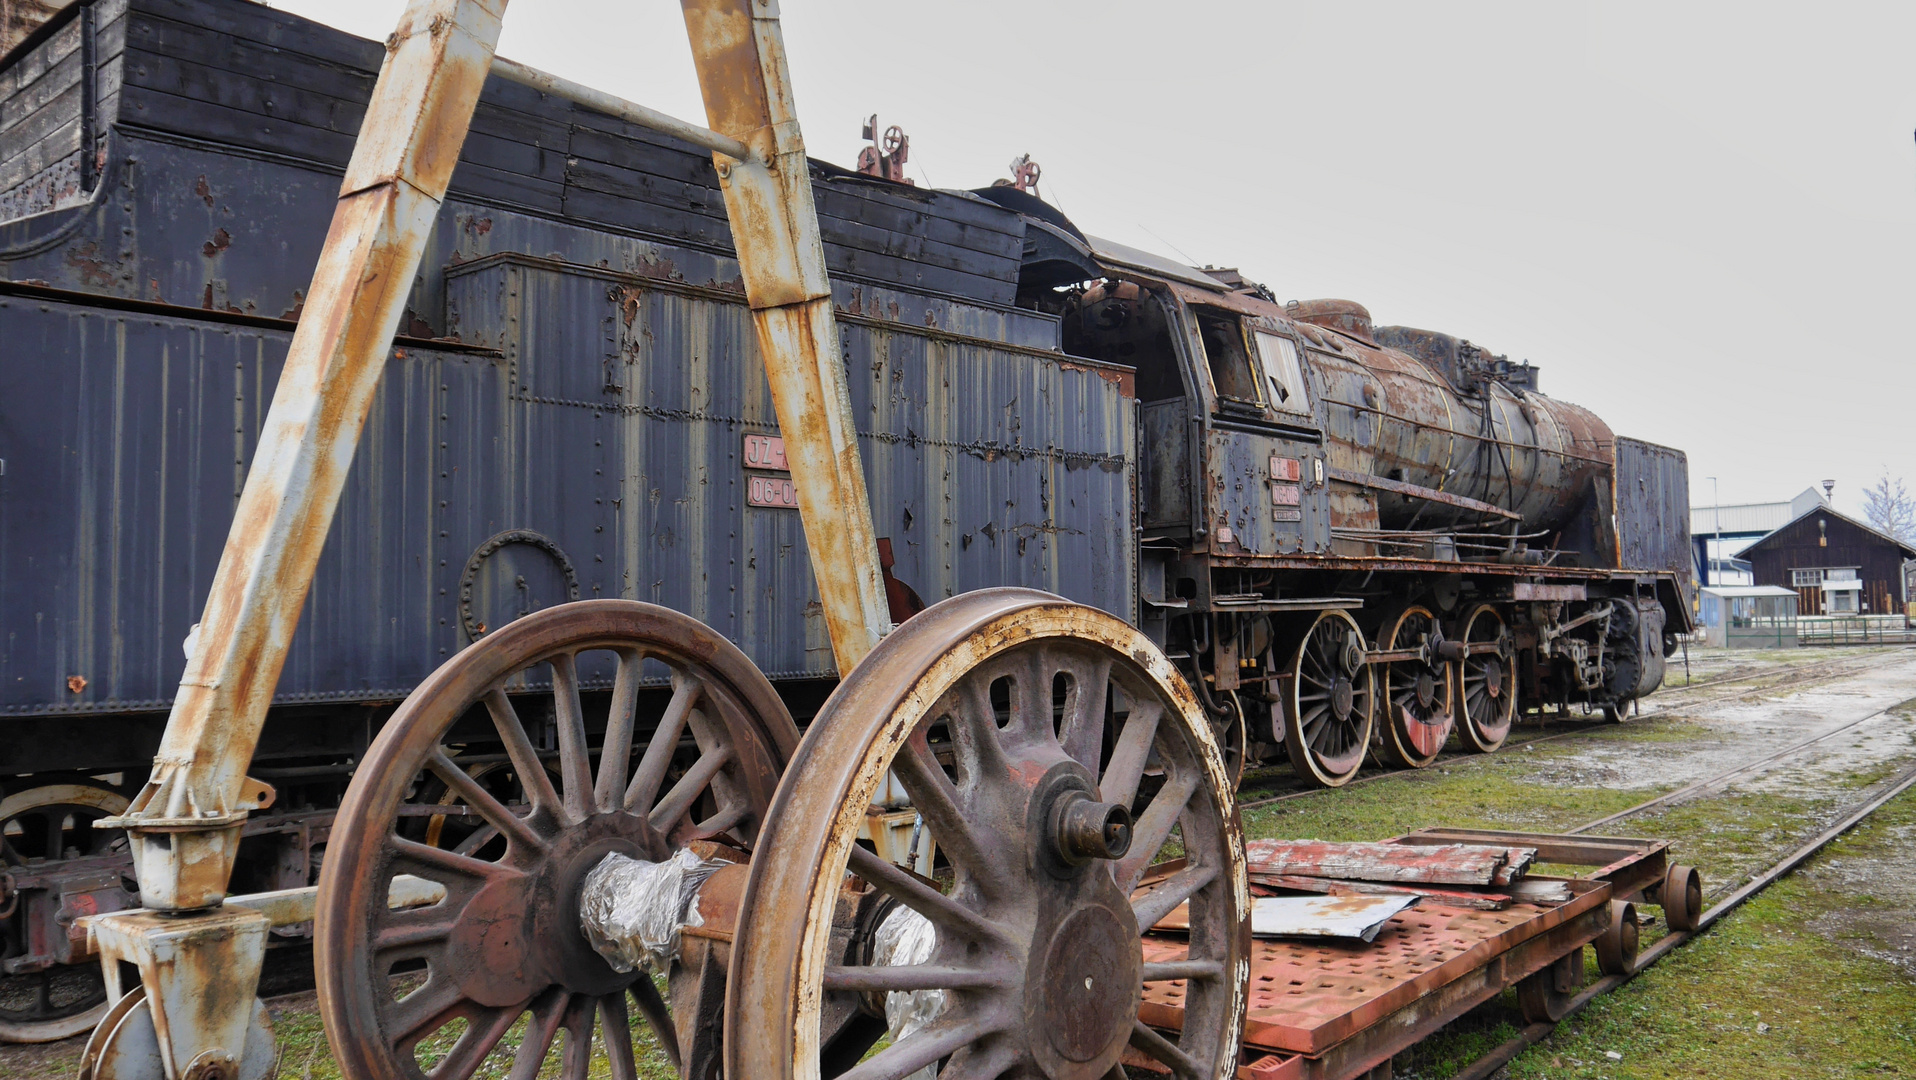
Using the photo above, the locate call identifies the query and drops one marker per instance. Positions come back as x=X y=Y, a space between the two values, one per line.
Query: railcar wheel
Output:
x=506 y=941
x=1052 y=713
x=1418 y=694
x=1487 y=680
x=1329 y=702
x=1682 y=897
x=1617 y=946
x=51 y=822
x=1545 y=996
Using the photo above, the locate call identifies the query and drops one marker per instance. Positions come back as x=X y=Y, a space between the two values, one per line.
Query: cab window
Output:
x=1285 y=377
x=1232 y=371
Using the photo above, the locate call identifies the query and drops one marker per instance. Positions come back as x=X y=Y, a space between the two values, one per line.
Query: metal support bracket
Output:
x=198 y=975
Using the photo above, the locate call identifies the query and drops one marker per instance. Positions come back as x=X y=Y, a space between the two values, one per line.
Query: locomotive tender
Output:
x=1354 y=538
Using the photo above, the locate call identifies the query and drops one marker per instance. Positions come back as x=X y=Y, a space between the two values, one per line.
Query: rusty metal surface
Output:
x=1308 y=997
x=196 y=977
x=1046 y=951
x=739 y=51
x=505 y=942
x=398 y=173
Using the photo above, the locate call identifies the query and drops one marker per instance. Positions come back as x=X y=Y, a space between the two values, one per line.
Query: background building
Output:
x=1836 y=564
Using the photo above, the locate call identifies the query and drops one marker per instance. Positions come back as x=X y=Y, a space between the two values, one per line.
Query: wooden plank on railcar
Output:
x=643 y=187
x=945 y=218
x=61 y=108
x=37 y=95
x=600 y=138
x=510 y=187
x=209 y=85
x=967 y=211
x=151 y=33
x=144 y=106
x=902 y=272
x=916 y=247
x=603 y=209
x=43 y=58
x=271 y=27
x=38 y=156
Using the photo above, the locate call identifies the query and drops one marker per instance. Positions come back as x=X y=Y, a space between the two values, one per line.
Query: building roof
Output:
x=1751 y=519
x=1735 y=591
x=1908 y=551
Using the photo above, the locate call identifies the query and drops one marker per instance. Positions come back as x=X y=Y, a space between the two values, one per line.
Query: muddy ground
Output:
x=1819 y=973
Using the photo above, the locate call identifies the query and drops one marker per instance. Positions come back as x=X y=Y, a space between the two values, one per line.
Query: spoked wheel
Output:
x=1488 y=679
x=506 y=965
x=1329 y=702
x=1049 y=714
x=51 y=822
x=1417 y=693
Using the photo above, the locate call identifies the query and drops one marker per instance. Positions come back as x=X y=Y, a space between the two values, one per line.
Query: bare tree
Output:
x=1889 y=508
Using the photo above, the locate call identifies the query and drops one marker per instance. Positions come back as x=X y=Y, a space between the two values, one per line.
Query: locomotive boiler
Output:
x=1355 y=540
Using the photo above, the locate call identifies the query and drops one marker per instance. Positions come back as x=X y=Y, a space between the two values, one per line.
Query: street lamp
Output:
x=1716 y=511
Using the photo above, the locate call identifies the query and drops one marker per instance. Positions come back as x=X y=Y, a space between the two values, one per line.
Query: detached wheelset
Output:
x=1053 y=753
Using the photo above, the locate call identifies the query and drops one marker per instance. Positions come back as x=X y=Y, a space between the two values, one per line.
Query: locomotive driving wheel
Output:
x=1417 y=693
x=1021 y=726
x=1329 y=701
x=506 y=965
x=48 y=824
x=1487 y=681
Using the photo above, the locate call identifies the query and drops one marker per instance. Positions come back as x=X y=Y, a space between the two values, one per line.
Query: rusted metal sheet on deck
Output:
x=1309 y=996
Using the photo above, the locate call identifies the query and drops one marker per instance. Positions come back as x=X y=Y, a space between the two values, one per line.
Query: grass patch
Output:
x=1499 y=794
x=1759 y=995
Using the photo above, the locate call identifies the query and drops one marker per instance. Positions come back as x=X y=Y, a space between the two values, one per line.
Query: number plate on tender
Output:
x=1284 y=494
x=771 y=491
x=1287 y=514
x=1286 y=468
x=765 y=452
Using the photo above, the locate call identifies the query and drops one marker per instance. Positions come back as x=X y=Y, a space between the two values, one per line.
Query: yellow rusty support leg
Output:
x=184 y=826
x=740 y=55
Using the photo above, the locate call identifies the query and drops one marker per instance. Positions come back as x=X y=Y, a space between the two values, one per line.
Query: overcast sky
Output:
x=1698 y=220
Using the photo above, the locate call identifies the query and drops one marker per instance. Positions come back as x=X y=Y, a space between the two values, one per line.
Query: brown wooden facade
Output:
x=1823 y=539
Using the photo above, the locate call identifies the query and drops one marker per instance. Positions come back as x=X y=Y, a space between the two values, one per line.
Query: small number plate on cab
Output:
x=771 y=491
x=1284 y=494
x=1286 y=468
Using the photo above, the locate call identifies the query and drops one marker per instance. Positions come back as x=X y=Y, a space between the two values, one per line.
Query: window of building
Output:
x=1843 y=602
x=1282 y=371
x=1806 y=577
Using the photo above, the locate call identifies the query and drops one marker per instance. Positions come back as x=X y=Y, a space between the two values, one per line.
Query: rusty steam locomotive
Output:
x=1355 y=539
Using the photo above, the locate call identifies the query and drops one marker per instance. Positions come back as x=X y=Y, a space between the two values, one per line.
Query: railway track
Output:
x=1727 y=897
x=1809 y=674
x=1487 y=1066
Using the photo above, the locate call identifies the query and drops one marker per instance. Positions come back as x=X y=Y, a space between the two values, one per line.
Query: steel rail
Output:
x=1731 y=774
x=1485 y=1066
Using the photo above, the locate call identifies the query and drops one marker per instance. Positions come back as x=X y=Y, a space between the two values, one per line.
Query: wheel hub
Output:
x=1343 y=699
x=1087 y=983
x=1494 y=677
x=1081 y=974
x=1426 y=689
x=521 y=932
